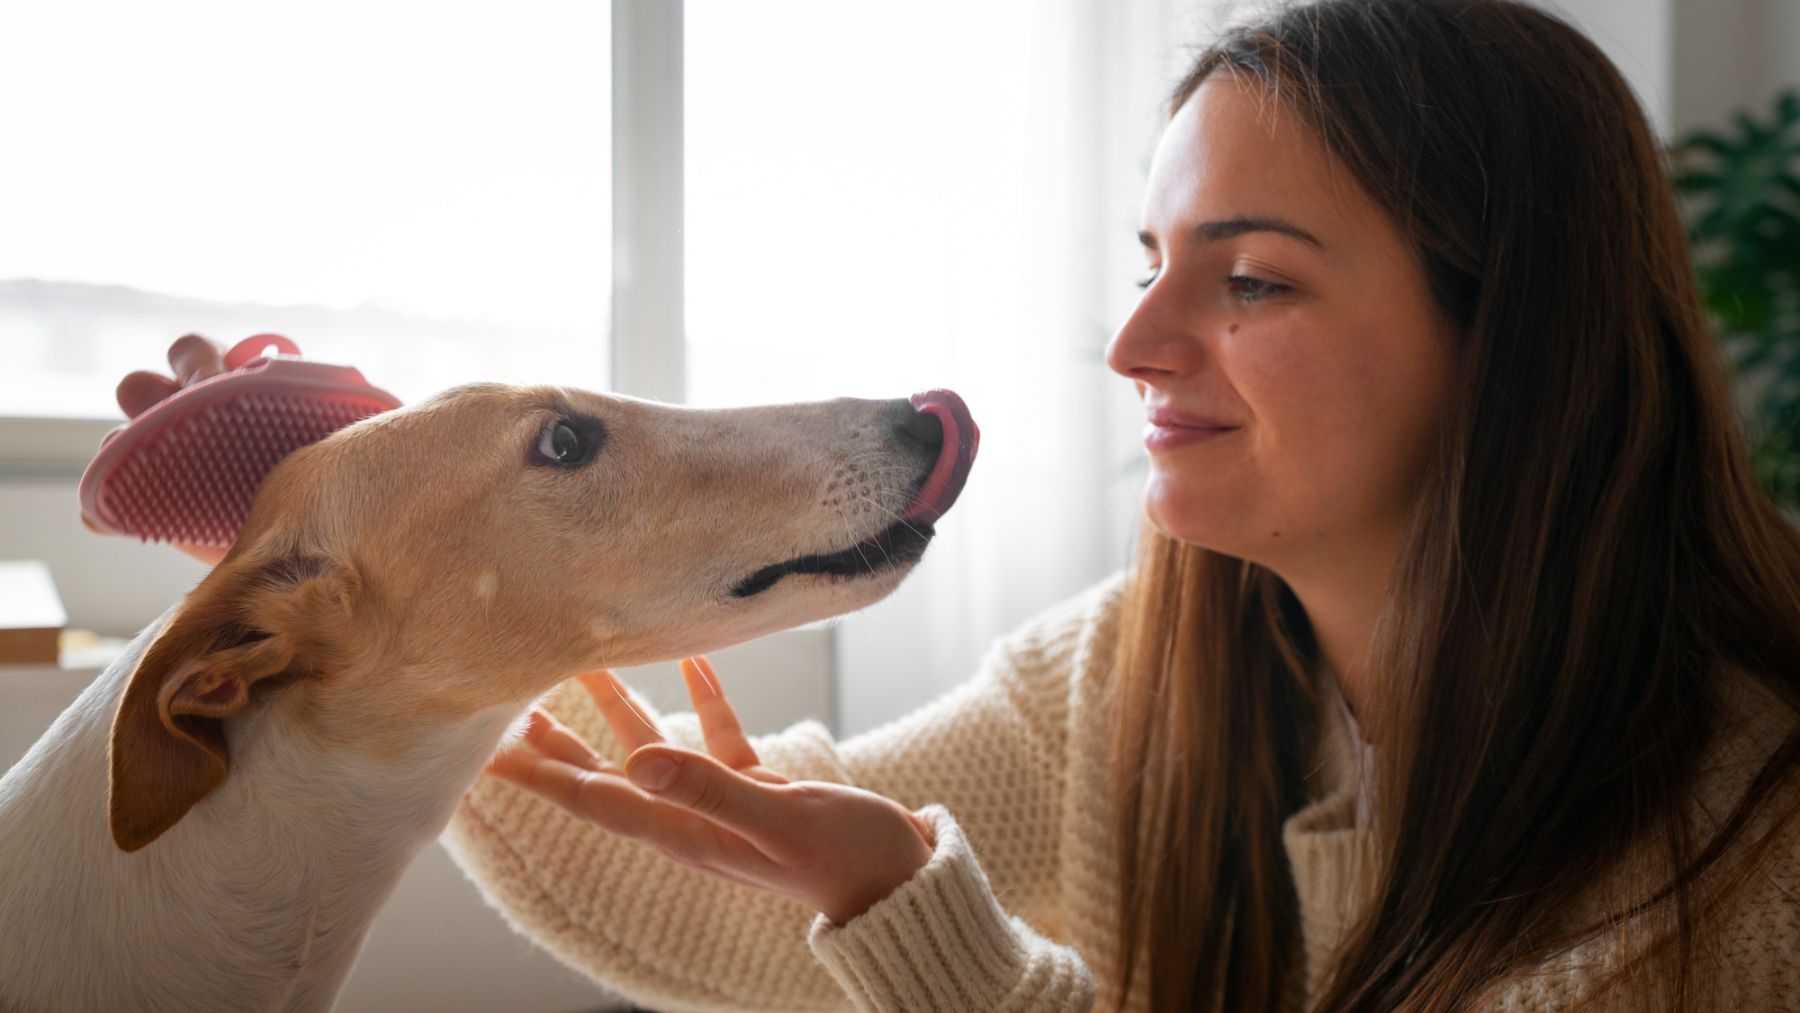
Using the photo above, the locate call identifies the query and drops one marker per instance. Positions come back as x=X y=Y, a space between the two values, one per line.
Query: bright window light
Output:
x=853 y=182
x=421 y=190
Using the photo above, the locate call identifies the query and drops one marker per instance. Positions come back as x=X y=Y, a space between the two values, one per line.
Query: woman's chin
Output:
x=1193 y=519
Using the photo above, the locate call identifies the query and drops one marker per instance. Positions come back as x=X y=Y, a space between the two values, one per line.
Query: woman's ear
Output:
x=246 y=622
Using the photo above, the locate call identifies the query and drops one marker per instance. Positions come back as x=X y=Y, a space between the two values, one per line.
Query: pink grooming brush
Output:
x=187 y=468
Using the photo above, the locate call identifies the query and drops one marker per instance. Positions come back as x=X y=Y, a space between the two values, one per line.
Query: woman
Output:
x=1459 y=669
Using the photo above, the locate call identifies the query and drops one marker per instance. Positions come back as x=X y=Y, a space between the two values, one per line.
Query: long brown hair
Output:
x=1587 y=553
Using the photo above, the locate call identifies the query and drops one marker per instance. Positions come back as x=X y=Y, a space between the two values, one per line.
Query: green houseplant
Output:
x=1741 y=190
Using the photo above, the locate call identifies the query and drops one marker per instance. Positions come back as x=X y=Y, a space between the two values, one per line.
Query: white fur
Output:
x=258 y=900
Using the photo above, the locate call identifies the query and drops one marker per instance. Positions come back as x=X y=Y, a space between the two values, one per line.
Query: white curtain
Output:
x=1041 y=266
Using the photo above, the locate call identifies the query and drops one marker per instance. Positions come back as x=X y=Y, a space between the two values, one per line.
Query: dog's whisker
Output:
x=894 y=515
x=898 y=518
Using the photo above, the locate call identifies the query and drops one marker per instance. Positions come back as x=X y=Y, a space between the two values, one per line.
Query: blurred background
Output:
x=716 y=202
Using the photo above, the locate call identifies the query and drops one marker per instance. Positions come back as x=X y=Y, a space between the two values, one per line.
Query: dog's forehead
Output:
x=486 y=403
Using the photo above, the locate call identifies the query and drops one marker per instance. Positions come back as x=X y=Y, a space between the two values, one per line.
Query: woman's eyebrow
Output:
x=1212 y=232
x=1230 y=227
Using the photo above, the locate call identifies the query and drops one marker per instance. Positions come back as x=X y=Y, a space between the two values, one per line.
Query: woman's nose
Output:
x=1150 y=344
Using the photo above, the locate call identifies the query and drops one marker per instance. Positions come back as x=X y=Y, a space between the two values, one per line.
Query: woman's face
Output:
x=1289 y=355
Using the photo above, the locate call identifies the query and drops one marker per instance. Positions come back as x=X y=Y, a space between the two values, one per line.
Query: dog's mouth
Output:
x=903 y=542
x=898 y=544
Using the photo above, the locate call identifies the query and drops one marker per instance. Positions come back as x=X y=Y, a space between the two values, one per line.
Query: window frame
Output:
x=648 y=334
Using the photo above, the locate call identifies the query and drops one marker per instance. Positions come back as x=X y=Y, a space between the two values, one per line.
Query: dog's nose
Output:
x=922 y=429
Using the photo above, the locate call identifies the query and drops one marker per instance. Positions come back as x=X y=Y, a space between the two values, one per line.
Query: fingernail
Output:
x=652 y=773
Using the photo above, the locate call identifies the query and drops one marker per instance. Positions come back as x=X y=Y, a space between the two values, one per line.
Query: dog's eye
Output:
x=560 y=443
x=568 y=442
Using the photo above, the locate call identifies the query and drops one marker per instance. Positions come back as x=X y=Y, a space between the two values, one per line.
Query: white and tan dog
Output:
x=214 y=823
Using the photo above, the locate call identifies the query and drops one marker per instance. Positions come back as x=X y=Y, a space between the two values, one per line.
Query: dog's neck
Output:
x=293 y=855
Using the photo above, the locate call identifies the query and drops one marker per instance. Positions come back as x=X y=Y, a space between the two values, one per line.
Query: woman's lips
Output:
x=1169 y=429
x=1171 y=437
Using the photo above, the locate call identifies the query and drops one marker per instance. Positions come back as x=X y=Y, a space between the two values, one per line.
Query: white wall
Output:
x=1638 y=35
x=1694 y=63
x=110 y=585
x=1732 y=54
x=1691 y=62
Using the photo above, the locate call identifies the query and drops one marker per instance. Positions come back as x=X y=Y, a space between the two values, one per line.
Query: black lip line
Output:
x=897 y=544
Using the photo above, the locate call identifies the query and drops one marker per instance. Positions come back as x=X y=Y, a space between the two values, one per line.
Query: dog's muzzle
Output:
x=940 y=422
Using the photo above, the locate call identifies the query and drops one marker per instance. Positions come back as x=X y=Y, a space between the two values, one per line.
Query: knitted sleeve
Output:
x=941 y=941
x=988 y=757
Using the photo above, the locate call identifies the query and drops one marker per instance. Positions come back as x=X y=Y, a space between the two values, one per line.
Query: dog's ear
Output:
x=248 y=621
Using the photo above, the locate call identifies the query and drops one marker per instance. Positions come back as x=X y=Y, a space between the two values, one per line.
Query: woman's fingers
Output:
x=606 y=799
x=140 y=390
x=554 y=739
x=748 y=806
x=837 y=848
x=193 y=358
x=633 y=727
x=718 y=722
x=609 y=801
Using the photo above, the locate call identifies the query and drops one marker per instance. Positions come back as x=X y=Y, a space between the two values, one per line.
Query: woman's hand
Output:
x=836 y=848
x=192 y=358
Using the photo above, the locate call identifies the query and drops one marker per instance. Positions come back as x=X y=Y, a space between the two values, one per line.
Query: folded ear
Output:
x=248 y=621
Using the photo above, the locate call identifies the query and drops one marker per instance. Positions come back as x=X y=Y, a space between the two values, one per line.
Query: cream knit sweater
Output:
x=1016 y=909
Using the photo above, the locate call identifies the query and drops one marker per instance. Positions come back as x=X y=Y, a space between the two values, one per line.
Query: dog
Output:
x=215 y=821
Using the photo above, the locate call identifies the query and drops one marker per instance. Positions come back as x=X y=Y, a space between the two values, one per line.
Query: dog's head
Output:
x=474 y=550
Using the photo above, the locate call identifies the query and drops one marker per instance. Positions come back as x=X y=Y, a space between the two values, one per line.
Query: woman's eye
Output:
x=1249 y=289
x=559 y=443
x=1147 y=280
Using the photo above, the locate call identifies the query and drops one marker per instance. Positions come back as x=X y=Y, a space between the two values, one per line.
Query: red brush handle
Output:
x=252 y=348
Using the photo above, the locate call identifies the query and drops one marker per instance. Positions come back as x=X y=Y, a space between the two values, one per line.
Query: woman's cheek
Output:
x=1280 y=382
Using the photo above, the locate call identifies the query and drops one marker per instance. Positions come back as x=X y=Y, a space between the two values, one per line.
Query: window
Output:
x=850 y=202
x=421 y=190
x=847 y=200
